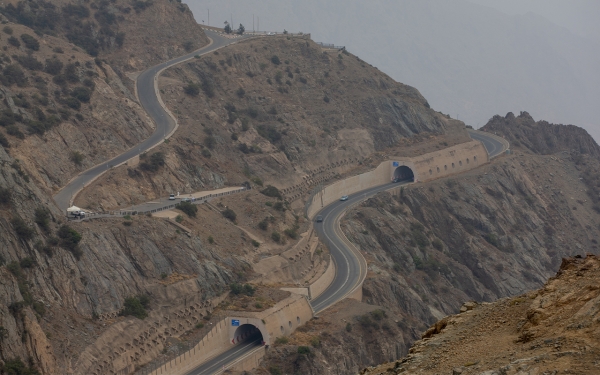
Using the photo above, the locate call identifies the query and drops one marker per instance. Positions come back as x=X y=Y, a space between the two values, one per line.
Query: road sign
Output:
x=395 y=164
x=235 y=322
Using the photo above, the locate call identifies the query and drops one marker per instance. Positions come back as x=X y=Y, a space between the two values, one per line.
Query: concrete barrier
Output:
x=213 y=344
x=318 y=287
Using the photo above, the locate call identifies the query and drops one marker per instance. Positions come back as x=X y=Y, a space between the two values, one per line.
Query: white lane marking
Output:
x=358 y=198
x=220 y=362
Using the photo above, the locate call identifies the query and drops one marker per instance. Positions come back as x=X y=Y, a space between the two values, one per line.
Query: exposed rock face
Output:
x=55 y=293
x=552 y=330
x=71 y=110
x=542 y=137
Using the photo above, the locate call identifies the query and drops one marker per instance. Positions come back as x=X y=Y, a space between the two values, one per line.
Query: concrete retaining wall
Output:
x=446 y=162
x=350 y=185
x=213 y=344
x=249 y=362
x=287 y=315
x=279 y=320
x=427 y=167
x=318 y=287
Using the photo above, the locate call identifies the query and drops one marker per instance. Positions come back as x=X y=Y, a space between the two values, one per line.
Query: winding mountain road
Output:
x=146 y=86
x=350 y=265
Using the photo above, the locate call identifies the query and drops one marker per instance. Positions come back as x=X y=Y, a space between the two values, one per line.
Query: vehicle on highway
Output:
x=172 y=197
x=186 y=200
x=344 y=198
x=319 y=219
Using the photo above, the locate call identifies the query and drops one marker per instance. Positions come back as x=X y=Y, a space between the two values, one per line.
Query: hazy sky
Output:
x=580 y=16
x=472 y=59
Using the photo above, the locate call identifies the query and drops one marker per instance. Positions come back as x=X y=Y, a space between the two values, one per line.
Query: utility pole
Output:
x=252 y=22
x=258 y=24
x=208 y=23
x=231 y=15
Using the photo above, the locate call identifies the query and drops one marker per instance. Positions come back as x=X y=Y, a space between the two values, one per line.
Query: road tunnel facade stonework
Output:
x=427 y=167
x=280 y=320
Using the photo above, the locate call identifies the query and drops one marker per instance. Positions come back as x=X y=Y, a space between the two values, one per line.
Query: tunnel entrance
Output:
x=247 y=333
x=403 y=173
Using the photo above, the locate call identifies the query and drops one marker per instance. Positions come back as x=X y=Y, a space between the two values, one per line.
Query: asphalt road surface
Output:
x=213 y=365
x=350 y=266
x=493 y=146
x=150 y=102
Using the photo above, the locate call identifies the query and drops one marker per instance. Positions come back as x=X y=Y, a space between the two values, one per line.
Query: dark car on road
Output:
x=319 y=219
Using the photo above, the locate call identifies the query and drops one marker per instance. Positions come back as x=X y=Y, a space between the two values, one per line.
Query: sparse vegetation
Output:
x=192 y=89
x=271 y=191
x=188 y=45
x=188 y=208
x=245 y=289
x=16 y=366
x=275 y=236
x=69 y=239
x=229 y=214
x=492 y=239
x=264 y=224
x=155 y=161
x=42 y=218
x=303 y=350
x=5 y=196
x=30 y=42
x=23 y=231
x=136 y=306
x=76 y=157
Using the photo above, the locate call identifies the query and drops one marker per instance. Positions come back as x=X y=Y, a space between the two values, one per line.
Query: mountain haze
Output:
x=468 y=60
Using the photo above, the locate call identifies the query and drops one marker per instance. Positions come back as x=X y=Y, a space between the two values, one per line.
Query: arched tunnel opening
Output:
x=247 y=333
x=403 y=173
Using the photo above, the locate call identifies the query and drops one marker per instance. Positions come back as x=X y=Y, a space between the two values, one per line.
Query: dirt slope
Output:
x=552 y=330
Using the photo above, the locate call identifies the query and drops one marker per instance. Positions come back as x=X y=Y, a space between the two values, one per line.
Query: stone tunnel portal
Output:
x=247 y=333
x=403 y=173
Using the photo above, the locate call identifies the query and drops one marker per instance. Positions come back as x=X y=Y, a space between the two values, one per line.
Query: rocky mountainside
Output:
x=274 y=111
x=277 y=111
x=541 y=137
x=58 y=279
x=494 y=232
x=67 y=104
x=131 y=35
x=551 y=330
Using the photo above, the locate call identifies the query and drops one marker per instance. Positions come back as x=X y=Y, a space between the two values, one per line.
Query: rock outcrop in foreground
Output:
x=553 y=330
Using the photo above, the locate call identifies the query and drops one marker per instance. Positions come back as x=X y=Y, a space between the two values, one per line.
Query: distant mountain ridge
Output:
x=542 y=137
